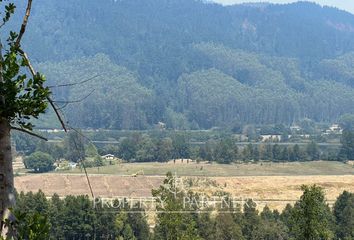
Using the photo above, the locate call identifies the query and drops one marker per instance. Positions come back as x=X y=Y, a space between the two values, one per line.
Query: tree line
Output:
x=143 y=147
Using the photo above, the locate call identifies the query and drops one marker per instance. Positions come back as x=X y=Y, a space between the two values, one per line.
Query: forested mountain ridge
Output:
x=194 y=64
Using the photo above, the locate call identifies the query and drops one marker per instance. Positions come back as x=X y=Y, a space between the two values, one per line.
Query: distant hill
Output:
x=193 y=64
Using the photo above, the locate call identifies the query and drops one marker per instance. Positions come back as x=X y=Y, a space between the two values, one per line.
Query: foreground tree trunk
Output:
x=7 y=197
x=21 y=98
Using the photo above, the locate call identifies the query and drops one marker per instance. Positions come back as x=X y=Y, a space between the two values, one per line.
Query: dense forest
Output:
x=79 y=218
x=193 y=64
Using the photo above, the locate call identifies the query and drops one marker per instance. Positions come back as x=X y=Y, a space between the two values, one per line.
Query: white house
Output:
x=334 y=129
x=270 y=138
x=108 y=157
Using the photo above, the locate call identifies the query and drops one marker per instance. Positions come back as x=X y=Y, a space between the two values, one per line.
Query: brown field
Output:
x=275 y=191
x=274 y=184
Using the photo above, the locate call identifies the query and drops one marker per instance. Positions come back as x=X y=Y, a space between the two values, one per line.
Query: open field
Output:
x=222 y=170
x=274 y=184
x=275 y=191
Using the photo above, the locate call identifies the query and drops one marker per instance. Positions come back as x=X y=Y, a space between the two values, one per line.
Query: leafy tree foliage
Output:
x=313 y=151
x=77 y=218
x=347 y=122
x=40 y=162
x=173 y=220
x=347 y=150
x=226 y=228
x=343 y=213
x=74 y=147
x=311 y=217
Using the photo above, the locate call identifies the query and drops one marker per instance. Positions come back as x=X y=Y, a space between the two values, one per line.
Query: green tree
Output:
x=247 y=153
x=277 y=152
x=256 y=153
x=57 y=151
x=208 y=151
x=180 y=146
x=251 y=220
x=146 y=150
x=297 y=154
x=172 y=222
x=79 y=217
x=164 y=150
x=271 y=227
x=286 y=215
x=344 y=216
x=268 y=152
x=311 y=217
x=347 y=149
x=32 y=221
x=270 y=230
x=226 y=228
x=30 y=226
x=129 y=222
x=206 y=225
x=127 y=149
x=25 y=143
x=98 y=161
x=56 y=217
x=346 y=121
x=285 y=155
x=40 y=162
x=312 y=151
x=224 y=151
x=91 y=150
x=123 y=228
x=268 y=215
x=74 y=146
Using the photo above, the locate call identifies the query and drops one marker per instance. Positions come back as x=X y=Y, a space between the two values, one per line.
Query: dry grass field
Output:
x=277 y=191
x=271 y=184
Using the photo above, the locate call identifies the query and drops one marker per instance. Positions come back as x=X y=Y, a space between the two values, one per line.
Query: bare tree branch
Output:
x=24 y=23
x=57 y=113
x=75 y=83
x=29 y=132
x=24 y=55
x=63 y=106
x=76 y=101
x=1 y=25
x=82 y=160
x=33 y=72
x=2 y=98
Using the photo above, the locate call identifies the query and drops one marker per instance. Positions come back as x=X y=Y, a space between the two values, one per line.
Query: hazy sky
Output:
x=342 y=4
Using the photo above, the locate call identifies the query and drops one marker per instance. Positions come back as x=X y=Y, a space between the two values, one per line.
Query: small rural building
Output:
x=335 y=128
x=270 y=138
x=161 y=126
x=72 y=165
x=108 y=157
